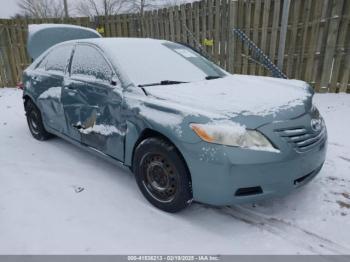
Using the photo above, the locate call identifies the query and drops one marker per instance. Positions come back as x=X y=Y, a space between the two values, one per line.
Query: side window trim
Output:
x=42 y=60
x=69 y=66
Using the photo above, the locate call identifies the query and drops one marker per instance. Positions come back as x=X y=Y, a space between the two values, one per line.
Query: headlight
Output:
x=233 y=135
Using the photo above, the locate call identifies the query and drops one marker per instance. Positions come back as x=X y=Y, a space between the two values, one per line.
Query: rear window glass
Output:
x=56 y=61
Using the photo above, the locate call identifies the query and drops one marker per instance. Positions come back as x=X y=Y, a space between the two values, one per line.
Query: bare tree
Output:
x=102 y=7
x=140 y=6
x=168 y=3
x=19 y=16
x=93 y=8
x=65 y=5
x=41 y=8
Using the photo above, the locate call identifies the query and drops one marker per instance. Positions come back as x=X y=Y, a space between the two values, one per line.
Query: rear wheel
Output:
x=161 y=175
x=35 y=122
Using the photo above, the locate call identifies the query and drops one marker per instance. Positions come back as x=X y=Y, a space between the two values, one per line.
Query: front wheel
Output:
x=162 y=175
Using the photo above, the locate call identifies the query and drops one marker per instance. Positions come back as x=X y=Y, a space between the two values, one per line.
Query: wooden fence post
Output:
x=283 y=34
x=265 y=21
x=344 y=77
x=274 y=32
x=233 y=11
x=256 y=27
x=328 y=62
x=12 y=76
x=5 y=70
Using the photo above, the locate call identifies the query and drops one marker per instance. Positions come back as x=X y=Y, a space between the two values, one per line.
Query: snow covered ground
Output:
x=58 y=199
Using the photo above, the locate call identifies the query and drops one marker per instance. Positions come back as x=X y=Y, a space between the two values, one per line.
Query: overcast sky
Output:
x=8 y=8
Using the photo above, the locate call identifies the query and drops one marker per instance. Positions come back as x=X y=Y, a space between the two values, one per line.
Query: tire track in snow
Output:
x=286 y=230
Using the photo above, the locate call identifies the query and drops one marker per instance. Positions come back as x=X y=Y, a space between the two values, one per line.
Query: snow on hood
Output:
x=237 y=94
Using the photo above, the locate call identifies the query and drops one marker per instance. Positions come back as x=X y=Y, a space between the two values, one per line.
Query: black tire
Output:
x=162 y=175
x=35 y=122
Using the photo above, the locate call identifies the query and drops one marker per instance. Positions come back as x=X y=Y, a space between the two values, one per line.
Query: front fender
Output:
x=134 y=133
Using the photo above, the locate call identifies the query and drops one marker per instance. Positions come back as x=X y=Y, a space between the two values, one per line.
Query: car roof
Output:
x=118 y=40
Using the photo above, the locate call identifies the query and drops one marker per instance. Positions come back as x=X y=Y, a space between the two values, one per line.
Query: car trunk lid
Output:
x=42 y=37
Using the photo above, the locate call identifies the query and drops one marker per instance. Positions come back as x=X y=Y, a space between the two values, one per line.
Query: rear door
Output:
x=92 y=102
x=47 y=80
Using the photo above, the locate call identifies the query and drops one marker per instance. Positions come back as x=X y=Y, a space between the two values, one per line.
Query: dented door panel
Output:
x=103 y=127
x=93 y=116
x=48 y=88
x=92 y=108
x=74 y=103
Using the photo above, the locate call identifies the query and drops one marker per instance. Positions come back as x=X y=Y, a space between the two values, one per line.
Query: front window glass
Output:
x=89 y=64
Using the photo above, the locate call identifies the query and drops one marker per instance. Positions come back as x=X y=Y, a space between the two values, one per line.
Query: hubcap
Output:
x=159 y=177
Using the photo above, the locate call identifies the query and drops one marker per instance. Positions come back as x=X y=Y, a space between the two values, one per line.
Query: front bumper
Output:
x=224 y=175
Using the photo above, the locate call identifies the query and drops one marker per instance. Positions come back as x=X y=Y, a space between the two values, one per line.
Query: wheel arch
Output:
x=134 y=138
x=26 y=98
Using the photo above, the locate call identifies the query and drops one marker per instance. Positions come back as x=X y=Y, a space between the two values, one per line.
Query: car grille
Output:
x=303 y=139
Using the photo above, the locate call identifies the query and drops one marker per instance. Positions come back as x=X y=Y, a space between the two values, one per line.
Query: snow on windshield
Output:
x=147 y=61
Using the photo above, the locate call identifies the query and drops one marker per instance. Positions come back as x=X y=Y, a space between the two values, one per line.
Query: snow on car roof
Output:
x=110 y=42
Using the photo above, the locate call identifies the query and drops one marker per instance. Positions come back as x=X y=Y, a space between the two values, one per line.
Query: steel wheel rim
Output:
x=34 y=123
x=160 y=178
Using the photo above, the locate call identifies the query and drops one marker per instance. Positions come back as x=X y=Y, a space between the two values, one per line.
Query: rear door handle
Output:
x=35 y=79
x=71 y=91
x=69 y=88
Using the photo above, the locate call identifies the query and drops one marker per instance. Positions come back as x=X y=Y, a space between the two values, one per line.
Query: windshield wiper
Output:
x=163 y=83
x=212 y=77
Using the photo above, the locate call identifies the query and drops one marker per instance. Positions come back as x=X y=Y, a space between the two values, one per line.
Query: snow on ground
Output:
x=57 y=199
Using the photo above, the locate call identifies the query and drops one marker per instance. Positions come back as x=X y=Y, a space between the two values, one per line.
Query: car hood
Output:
x=250 y=100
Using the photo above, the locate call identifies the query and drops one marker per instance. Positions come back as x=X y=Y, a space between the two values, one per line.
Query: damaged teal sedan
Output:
x=186 y=128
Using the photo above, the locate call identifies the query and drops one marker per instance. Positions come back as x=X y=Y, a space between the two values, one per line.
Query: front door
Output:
x=92 y=104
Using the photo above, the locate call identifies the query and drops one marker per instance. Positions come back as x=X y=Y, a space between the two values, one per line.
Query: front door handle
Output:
x=78 y=126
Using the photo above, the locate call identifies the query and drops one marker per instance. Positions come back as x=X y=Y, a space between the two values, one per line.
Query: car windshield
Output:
x=148 y=62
